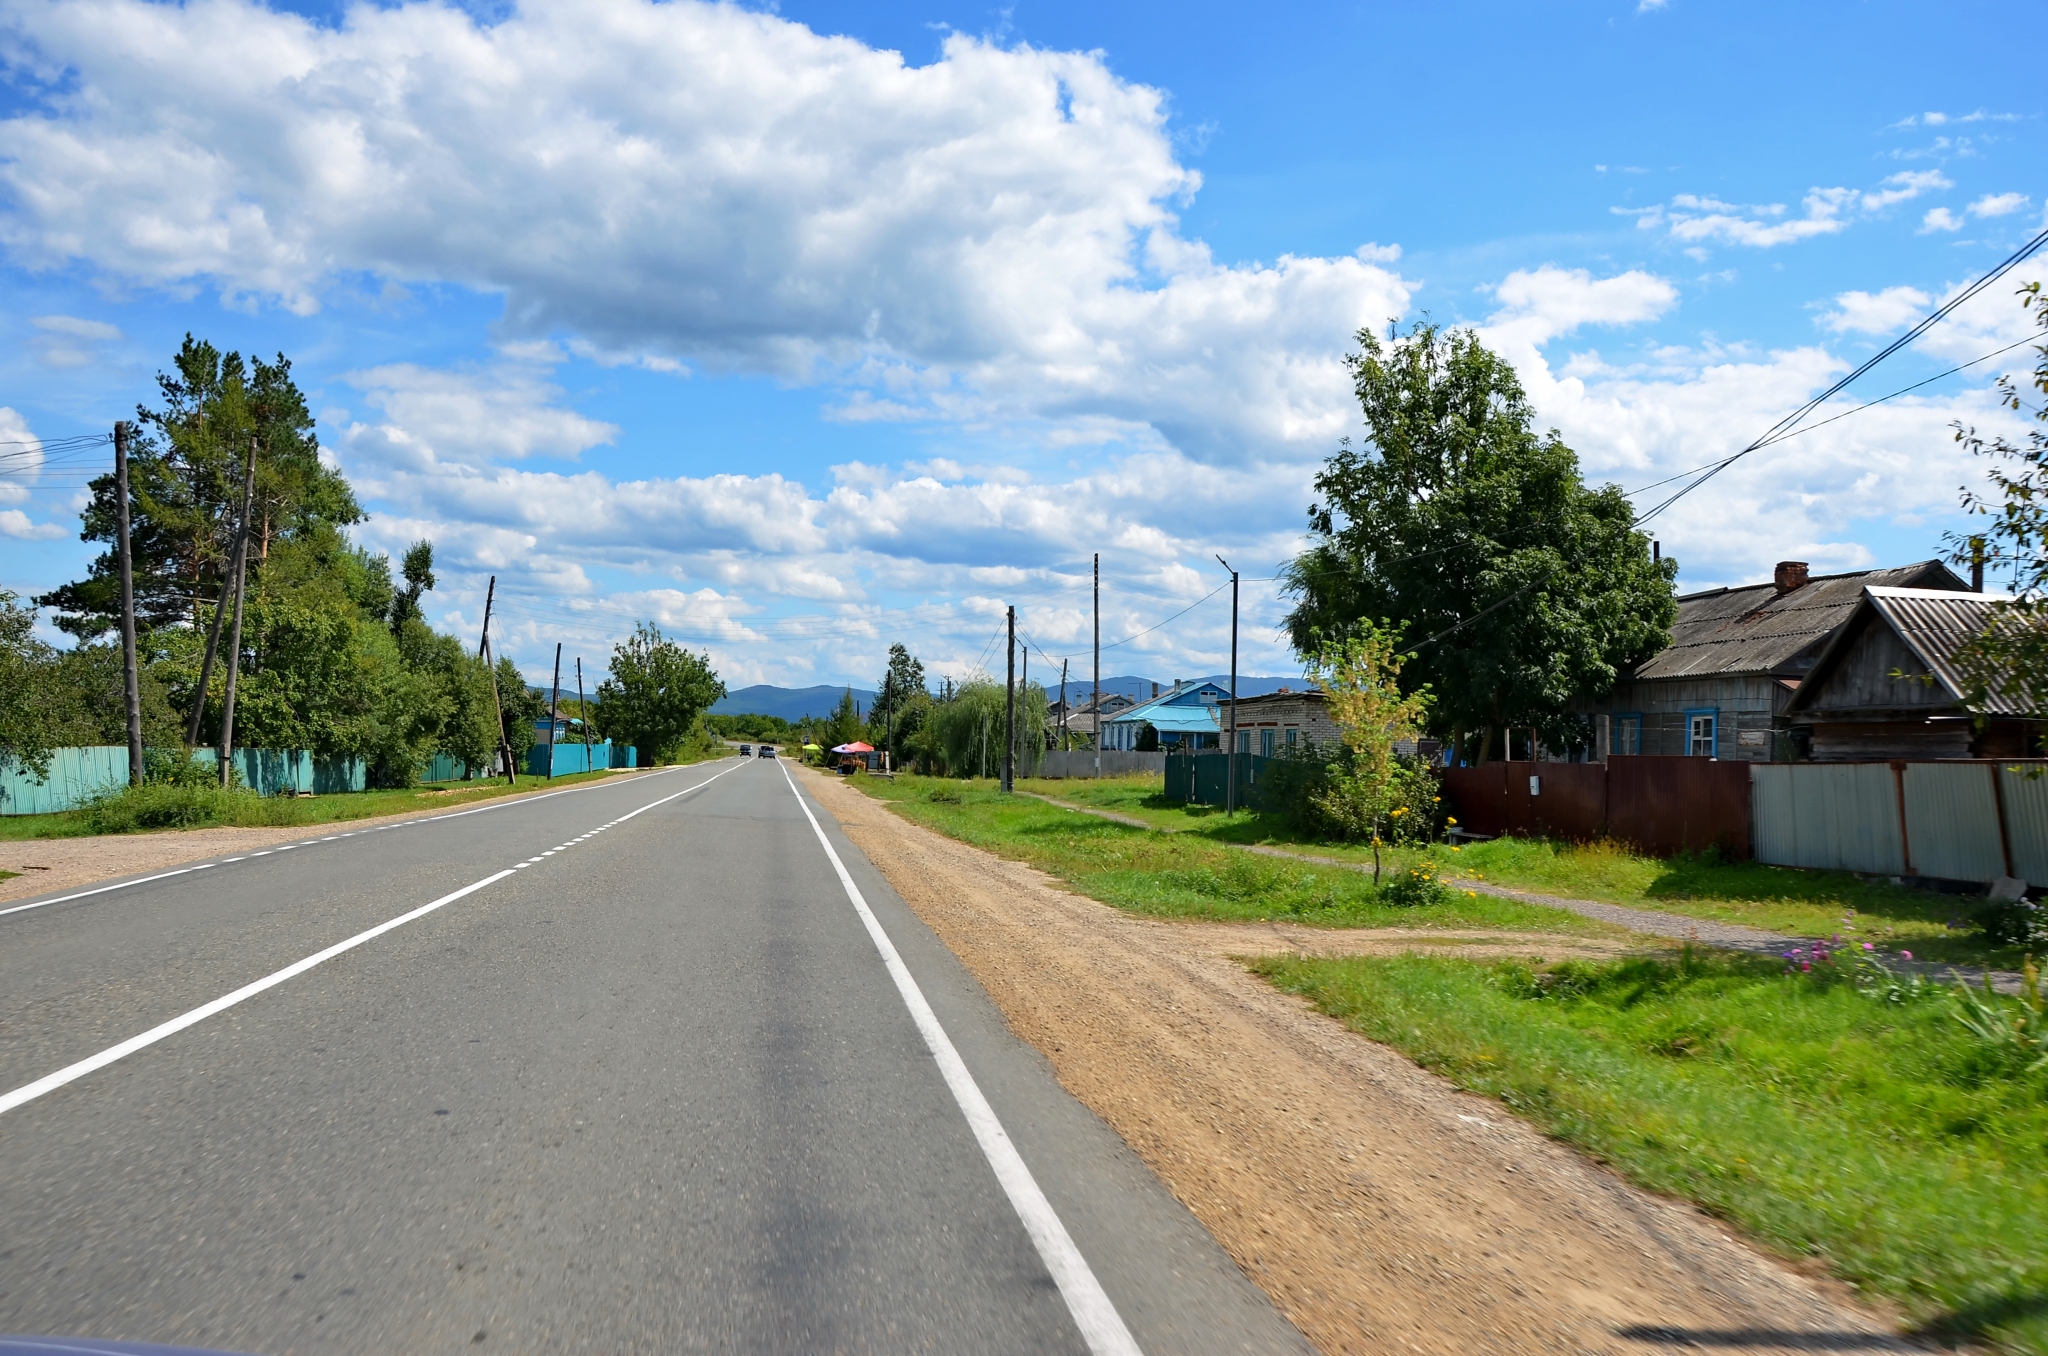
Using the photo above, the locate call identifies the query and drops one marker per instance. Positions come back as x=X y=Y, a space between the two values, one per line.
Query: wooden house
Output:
x=1887 y=686
x=1737 y=655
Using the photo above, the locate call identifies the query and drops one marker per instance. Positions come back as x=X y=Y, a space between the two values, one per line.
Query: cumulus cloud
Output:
x=1940 y=219
x=1542 y=304
x=1875 y=312
x=1998 y=204
x=1698 y=220
x=681 y=181
x=507 y=410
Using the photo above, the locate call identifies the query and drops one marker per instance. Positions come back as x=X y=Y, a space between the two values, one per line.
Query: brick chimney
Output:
x=1791 y=574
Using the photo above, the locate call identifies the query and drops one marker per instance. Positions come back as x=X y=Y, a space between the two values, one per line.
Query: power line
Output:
x=1784 y=428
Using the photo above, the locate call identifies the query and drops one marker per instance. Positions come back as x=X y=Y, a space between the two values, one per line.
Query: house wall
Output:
x=1746 y=709
x=1863 y=681
x=1307 y=716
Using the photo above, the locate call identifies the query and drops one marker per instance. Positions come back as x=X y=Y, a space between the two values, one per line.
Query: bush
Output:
x=2014 y=922
x=1299 y=786
x=1416 y=887
x=135 y=809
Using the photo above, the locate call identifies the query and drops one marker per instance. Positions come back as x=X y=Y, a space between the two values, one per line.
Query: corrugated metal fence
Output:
x=1200 y=778
x=1660 y=804
x=1115 y=763
x=573 y=758
x=1974 y=820
x=79 y=774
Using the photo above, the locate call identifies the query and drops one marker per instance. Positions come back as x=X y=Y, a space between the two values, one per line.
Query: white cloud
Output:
x=1940 y=219
x=1904 y=187
x=1998 y=204
x=15 y=523
x=1540 y=305
x=1699 y=220
x=503 y=411
x=684 y=181
x=1876 y=313
x=72 y=327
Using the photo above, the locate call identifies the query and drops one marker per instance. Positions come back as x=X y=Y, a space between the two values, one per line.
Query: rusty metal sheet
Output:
x=1952 y=821
x=1478 y=797
x=1568 y=800
x=1666 y=805
x=2025 y=789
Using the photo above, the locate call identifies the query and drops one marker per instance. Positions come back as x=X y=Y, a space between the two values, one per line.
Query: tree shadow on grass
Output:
x=1706 y=876
x=1983 y=1318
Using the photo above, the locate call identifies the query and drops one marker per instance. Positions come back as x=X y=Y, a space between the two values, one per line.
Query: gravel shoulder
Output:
x=51 y=864
x=1380 y=1208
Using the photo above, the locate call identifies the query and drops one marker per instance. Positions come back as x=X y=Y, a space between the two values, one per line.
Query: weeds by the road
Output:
x=146 y=809
x=1782 y=899
x=1867 y=1128
x=1182 y=876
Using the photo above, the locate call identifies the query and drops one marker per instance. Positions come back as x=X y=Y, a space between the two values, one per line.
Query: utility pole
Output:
x=1024 y=683
x=1010 y=709
x=583 y=713
x=1230 y=791
x=483 y=651
x=1098 y=666
x=227 y=709
x=1065 y=746
x=131 y=681
x=554 y=710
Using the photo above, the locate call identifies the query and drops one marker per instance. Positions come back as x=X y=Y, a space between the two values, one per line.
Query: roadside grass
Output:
x=1881 y=1138
x=151 y=809
x=1799 y=903
x=1182 y=876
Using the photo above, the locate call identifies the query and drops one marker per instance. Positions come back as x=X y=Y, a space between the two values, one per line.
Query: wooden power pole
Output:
x=483 y=651
x=241 y=587
x=1230 y=790
x=131 y=679
x=1098 y=666
x=554 y=710
x=1010 y=709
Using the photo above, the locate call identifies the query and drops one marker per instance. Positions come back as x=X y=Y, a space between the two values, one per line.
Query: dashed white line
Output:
x=71 y=1073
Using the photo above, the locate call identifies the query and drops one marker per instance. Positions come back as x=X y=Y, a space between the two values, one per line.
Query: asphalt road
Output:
x=647 y=1082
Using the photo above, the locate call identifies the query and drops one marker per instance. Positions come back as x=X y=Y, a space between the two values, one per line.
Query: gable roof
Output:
x=1757 y=629
x=1935 y=624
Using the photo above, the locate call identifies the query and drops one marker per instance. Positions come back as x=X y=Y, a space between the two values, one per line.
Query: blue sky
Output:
x=729 y=318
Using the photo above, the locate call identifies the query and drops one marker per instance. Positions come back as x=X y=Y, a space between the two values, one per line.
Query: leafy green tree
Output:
x=655 y=692
x=1457 y=521
x=2012 y=657
x=185 y=470
x=418 y=572
x=1361 y=678
x=25 y=734
x=524 y=709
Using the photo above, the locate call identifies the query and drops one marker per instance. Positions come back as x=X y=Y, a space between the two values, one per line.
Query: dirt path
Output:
x=1381 y=1209
x=48 y=864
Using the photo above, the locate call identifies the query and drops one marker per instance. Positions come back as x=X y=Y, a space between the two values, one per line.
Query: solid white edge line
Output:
x=28 y=1092
x=1094 y=1313
x=432 y=819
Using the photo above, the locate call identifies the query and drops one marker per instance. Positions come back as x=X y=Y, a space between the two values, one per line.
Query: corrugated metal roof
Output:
x=1192 y=718
x=1757 y=629
x=1936 y=624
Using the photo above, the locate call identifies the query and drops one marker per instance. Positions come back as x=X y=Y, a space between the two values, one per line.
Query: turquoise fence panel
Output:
x=445 y=767
x=76 y=776
x=570 y=759
x=1199 y=778
x=79 y=774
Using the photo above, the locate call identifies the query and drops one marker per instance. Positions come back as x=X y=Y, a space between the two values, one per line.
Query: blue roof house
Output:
x=1186 y=718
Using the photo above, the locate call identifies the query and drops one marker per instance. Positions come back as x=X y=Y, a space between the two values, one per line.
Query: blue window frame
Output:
x=1702 y=732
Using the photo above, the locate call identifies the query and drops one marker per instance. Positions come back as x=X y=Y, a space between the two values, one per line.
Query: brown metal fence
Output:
x=1660 y=805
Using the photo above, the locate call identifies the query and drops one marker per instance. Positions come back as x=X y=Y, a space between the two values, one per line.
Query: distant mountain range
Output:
x=790 y=703
x=794 y=703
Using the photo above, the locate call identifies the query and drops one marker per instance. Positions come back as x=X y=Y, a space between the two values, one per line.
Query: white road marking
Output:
x=352 y=833
x=1101 y=1326
x=71 y=1073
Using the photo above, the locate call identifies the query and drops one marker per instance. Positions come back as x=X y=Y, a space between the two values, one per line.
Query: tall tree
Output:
x=903 y=680
x=1518 y=585
x=2012 y=657
x=655 y=692
x=185 y=471
x=418 y=573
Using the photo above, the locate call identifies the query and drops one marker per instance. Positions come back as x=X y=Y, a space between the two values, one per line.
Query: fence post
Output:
x=1899 y=795
x=1998 y=806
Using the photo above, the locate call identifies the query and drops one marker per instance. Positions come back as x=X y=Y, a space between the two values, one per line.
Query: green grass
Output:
x=1181 y=875
x=1880 y=1138
x=154 y=808
x=1780 y=899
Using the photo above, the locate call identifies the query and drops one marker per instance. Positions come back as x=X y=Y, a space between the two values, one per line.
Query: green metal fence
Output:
x=1200 y=778
x=79 y=774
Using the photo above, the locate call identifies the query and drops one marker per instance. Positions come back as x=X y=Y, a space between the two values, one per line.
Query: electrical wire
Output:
x=1784 y=428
